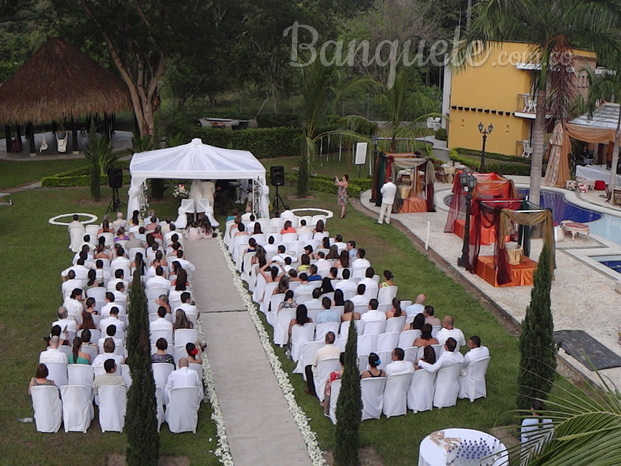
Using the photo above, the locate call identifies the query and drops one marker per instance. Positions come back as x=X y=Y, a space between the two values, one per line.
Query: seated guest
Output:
x=107 y=353
x=415 y=308
x=110 y=303
x=396 y=309
x=112 y=320
x=304 y=263
x=348 y=311
x=162 y=301
x=40 y=378
x=333 y=251
x=52 y=353
x=450 y=356
x=360 y=298
x=338 y=242
x=90 y=305
x=161 y=323
x=304 y=228
x=417 y=323
x=183 y=377
x=425 y=338
x=190 y=309
x=313 y=275
x=343 y=261
x=339 y=299
x=476 y=353
x=182 y=321
x=429 y=317
x=109 y=378
x=73 y=303
x=86 y=340
x=398 y=365
x=301 y=317
x=71 y=283
x=373 y=314
x=314 y=303
x=449 y=331
x=78 y=356
x=322 y=263
x=328 y=314
x=346 y=284
x=320 y=227
x=119 y=276
x=388 y=279
x=334 y=375
x=194 y=353
x=328 y=351
x=110 y=333
x=535 y=430
x=161 y=355
x=287 y=228
x=158 y=281
x=326 y=286
x=369 y=282
x=120 y=235
x=68 y=326
x=361 y=262
x=373 y=371
x=304 y=287
x=429 y=356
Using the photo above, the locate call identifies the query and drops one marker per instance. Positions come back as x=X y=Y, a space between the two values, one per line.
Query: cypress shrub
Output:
x=143 y=439
x=537 y=347
x=349 y=406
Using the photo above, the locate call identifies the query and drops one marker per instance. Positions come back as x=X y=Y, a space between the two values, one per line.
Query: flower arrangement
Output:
x=282 y=377
x=180 y=192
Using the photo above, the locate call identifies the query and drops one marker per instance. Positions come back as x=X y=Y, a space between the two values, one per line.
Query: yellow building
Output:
x=497 y=89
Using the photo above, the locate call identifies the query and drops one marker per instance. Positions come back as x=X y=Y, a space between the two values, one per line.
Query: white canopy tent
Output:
x=197 y=161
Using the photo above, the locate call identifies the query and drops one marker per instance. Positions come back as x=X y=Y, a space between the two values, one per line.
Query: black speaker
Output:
x=115 y=177
x=277 y=174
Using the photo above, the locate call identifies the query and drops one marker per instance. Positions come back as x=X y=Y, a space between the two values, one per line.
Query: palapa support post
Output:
x=74 y=137
x=7 y=137
x=31 y=139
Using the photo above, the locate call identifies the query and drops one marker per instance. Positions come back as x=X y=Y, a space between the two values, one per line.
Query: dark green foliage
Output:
x=325 y=184
x=349 y=406
x=302 y=185
x=158 y=187
x=99 y=154
x=278 y=120
x=497 y=163
x=141 y=420
x=441 y=134
x=537 y=347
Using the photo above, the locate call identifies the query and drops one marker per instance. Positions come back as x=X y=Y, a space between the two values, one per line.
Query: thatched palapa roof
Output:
x=58 y=82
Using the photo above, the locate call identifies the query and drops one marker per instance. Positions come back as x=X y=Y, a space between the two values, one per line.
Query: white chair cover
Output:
x=80 y=374
x=159 y=399
x=281 y=330
x=76 y=237
x=420 y=392
x=447 y=386
x=386 y=294
x=472 y=386
x=126 y=374
x=324 y=368
x=309 y=350
x=166 y=334
x=161 y=371
x=363 y=362
x=272 y=312
x=259 y=288
x=407 y=337
x=395 y=394
x=372 y=392
x=322 y=329
x=411 y=353
x=395 y=324
x=299 y=336
x=267 y=296
x=366 y=344
x=57 y=373
x=344 y=331
x=182 y=409
x=185 y=335
x=335 y=390
x=386 y=341
x=78 y=412
x=112 y=404
x=198 y=368
x=154 y=293
x=374 y=327
x=384 y=358
x=48 y=409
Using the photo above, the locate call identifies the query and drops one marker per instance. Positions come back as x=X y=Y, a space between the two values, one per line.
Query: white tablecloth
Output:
x=596 y=172
x=432 y=454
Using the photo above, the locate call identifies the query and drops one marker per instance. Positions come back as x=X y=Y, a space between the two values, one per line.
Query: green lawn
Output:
x=17 y=173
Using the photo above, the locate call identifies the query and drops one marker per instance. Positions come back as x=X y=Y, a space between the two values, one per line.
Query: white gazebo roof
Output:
x=606 y=116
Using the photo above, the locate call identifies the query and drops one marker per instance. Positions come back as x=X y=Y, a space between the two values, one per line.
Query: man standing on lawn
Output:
x=389 y=190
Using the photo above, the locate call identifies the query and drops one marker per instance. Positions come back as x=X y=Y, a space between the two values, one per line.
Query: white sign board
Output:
x=361 y=153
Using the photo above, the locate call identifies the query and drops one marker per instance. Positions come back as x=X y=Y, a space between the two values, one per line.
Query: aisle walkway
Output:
x=259 y=427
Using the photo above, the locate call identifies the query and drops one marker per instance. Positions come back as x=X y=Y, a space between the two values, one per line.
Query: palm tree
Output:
x=554 y=27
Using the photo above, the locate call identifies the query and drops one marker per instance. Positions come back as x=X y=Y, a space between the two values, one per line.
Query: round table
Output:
x=434 y=448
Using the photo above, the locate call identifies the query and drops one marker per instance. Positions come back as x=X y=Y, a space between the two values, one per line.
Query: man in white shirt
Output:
x=314 y=303
x=372 y=287
x=67 y=325
x=328 y=351
x=449 y=331
x=305 y=287
x=398 y=366
x=184 y=377
x=187 y=265
x=361 y=262
x=52 y=353
x=110 y=303
x=70 y=284
x=322 y=263
x=161 y=323
x=112 y=320
x=346 y=284
x=119 y=222
x=416 y=308
x=338 y=242
x=120 y=261
x=81 y=271
x=110 y=332
x=281 y=256
x=108 y=353
x=476 y=353
x=373 y=314
x=449 y=357
x=190 y=309
x=389 y=190
x=360 y=299
x=76 y=233
x=158 y=281
x=73 y=303
x=303 y=228
x=119 y=276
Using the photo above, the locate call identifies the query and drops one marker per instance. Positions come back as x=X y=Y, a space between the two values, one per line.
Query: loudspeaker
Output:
x=277 y=174
x=115 y=177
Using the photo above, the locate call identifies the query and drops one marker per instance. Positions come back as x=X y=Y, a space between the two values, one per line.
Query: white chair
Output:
x=126 y=373
x=48 y=409
x=161 y=371
x=420 y=392
x=434 y=331
x=182 y=409
x=57 y=373
x=80 y=374
x=447 y=386
x=185 y=335
x=374 y=327
x=303 y=297
x=384 y=358
x=395 y=394
x=267 y=295
x=154 y=293
x=386 y=294
x=159 y=399
x=198 y=368
x=472 y=385
x=395 y=324
x=300 y=335
x=179 y=351
x=335 y=390
x=439 y=349
x=366 y=344
x=112 y=405
x=322 y=329
x=363 y=362
x=386 y=341
x=307 y=357
x=411 y=353
x=131 y=254
x=166 y=334
x=324 y=368
x=372 y=393
x=272 y=312
x=281 y=330
x=92 y=350
x=407 y=337
x=344 y=329
x=78 y=412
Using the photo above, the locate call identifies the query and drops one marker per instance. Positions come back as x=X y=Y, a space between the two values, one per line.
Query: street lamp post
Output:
x=468 y=183
x=484 y=131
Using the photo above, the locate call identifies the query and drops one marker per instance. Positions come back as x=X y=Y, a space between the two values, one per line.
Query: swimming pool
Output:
x=612 y=262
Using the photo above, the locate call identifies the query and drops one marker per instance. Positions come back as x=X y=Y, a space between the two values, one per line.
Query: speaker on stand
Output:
x=115 y=181
x=277 y=177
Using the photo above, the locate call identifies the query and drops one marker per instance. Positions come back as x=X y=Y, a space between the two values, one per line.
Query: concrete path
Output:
x=259 y=427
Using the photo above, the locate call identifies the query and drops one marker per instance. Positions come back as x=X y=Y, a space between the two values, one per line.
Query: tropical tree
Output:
x=554 y=28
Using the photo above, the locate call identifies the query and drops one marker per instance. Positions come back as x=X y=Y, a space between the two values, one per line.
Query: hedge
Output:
x=503 y=167
x=493 y=155
x=325 y=184
x=80 y=177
